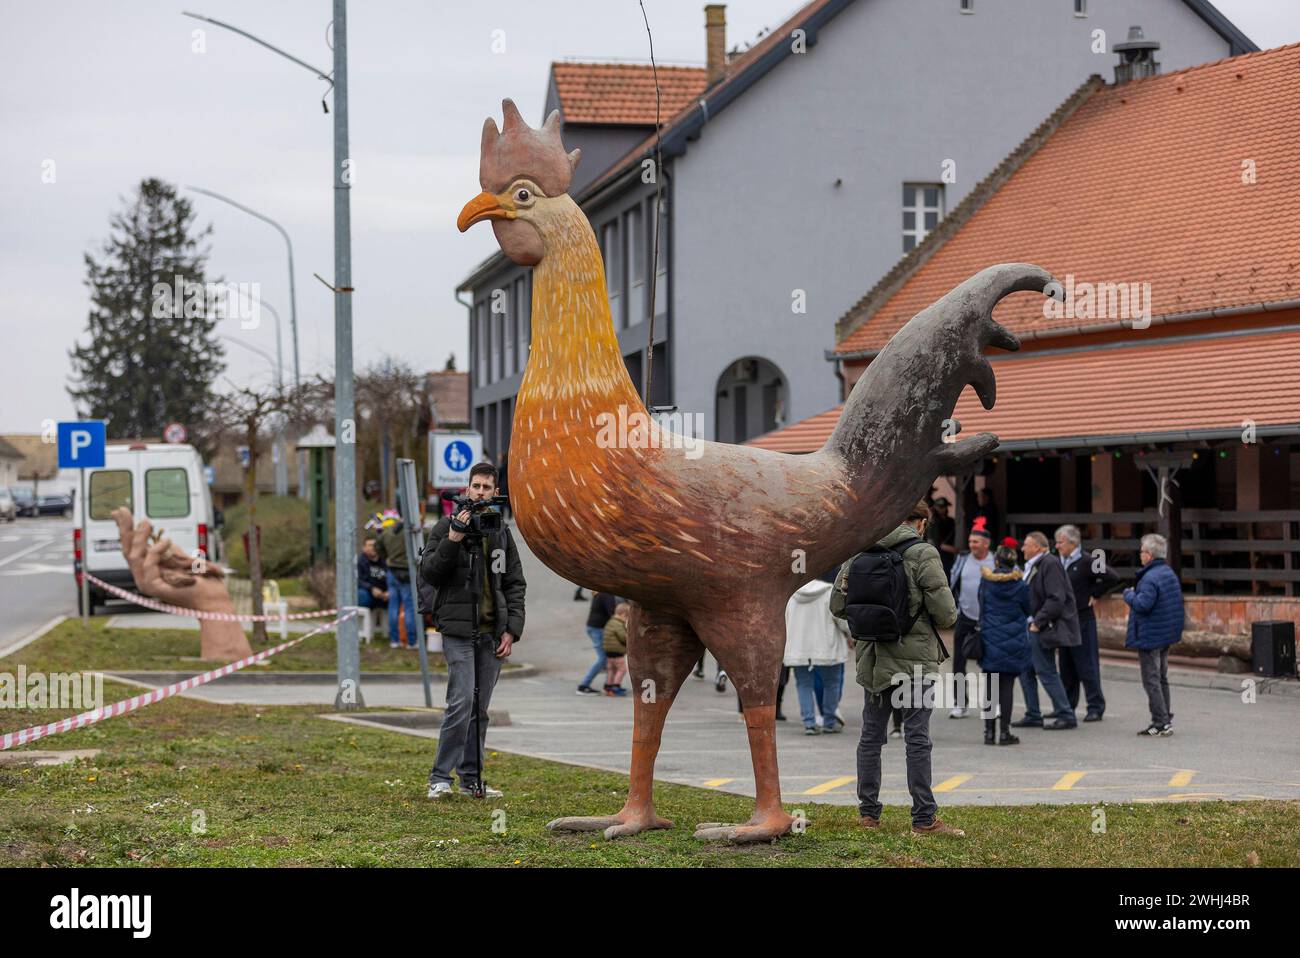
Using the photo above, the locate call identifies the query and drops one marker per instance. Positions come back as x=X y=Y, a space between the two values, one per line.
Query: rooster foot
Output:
x=614 y=826
x=754 y=830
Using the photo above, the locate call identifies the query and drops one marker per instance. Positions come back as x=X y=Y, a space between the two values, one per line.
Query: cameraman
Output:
x=445 y=590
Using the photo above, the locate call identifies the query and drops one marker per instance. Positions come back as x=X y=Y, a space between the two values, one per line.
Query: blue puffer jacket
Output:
x=1004 y=625
x=1155 y=616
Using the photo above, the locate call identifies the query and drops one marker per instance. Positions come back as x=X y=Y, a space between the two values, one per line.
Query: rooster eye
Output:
x=522 y=195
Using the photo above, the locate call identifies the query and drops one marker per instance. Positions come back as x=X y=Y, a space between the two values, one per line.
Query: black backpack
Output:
x=876 y=597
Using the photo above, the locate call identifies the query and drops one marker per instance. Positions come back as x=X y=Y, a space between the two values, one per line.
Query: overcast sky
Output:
x=114 y=93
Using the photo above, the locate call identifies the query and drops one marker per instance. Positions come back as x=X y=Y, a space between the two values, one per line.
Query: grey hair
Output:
x=1156 y=545
x=1069 y=533
x=1040 y=538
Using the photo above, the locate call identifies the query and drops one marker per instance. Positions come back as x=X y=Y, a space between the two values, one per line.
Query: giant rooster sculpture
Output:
x=708 y=546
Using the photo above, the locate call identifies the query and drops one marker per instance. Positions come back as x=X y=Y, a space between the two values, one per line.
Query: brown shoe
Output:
x=866 y=821
x=937 y=827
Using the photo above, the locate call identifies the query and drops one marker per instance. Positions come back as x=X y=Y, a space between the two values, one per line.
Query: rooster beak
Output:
x=485 y=206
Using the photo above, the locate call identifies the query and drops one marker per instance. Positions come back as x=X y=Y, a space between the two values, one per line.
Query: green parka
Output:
x=879 y=662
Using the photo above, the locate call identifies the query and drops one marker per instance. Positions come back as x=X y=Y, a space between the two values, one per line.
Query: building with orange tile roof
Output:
x=793 y=173
x=1157 y=390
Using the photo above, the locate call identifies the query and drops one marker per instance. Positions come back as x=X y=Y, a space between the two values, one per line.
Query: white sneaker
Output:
x=957 y=713
x=488 y=792
x=440 y=790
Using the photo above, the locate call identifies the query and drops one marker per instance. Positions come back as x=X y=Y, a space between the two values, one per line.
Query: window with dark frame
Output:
x=661 y=271
x=480 y=342
x=613 y=253
x=1080 y=8
x=637 y=266
x=511 y=320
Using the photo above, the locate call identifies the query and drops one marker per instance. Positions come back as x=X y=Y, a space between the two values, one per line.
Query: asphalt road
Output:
x=1222 y=748
x=36 y=579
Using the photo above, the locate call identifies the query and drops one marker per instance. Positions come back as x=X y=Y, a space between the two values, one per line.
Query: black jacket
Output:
x=1088 y=584
x=444 y=571
x=1052 y=602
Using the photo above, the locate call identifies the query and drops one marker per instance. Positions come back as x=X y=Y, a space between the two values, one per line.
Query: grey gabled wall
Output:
x=891 y=90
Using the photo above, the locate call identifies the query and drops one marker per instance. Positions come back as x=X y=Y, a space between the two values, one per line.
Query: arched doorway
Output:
x=752 y=397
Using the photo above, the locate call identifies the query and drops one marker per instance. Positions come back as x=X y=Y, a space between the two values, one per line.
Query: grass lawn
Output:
x=75 y=647
x=280 y=786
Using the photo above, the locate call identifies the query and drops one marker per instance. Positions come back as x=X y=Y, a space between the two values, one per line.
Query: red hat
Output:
x=1011 y=543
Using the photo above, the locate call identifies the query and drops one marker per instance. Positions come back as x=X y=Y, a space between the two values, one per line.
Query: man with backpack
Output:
x=895 y=597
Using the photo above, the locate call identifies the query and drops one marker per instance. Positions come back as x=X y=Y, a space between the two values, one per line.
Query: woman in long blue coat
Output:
x=1004 y=632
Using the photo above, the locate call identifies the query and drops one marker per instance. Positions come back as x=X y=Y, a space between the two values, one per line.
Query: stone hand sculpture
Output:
x=708 y=540
x=164 y=572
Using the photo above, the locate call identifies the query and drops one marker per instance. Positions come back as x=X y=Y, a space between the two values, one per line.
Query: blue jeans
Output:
x=1043 y=670
x=598 y=643
x=805 y=679
x=399 y=594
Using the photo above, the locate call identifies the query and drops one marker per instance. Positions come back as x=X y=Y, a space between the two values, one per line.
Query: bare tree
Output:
x=252 y=415
x=392 y=396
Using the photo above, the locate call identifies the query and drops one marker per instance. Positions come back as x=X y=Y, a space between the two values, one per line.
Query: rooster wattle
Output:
x=709 y=540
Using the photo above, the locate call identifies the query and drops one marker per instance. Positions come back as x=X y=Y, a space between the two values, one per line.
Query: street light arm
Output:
x=274 y=49
x=293 y=295
x=251 y=212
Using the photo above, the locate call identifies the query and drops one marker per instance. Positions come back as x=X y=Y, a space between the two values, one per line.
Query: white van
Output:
x=161 y=482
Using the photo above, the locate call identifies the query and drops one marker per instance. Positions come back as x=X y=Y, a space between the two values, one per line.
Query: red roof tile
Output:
x=624 y=93
x=1142 y=183
x=1202 y=384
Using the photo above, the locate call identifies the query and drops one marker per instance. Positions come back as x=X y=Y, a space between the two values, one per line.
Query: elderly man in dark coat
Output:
x=1053 y=624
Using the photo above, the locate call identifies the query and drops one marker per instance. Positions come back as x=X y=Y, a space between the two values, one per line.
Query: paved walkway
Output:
x=1223 y=747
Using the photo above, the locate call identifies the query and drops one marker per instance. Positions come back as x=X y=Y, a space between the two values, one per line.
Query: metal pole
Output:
x=345 y=450
x=85 y=552
x=409 y=506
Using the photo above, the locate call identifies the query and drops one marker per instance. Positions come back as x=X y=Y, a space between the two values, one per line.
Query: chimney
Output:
x=1137 y=57
x=715 y=30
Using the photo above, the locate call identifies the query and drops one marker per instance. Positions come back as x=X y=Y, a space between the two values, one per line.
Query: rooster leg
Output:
x=662 y=650
x=756 y=678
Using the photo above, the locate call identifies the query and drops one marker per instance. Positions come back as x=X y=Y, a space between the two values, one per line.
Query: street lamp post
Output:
x=345 y=452
x=293 y=295
x=345 y=512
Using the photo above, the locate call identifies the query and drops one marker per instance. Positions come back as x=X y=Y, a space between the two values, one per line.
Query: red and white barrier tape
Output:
x=24 y=736
x=157 y=606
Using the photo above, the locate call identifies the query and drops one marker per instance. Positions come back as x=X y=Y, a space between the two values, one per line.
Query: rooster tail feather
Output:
x=901 y=408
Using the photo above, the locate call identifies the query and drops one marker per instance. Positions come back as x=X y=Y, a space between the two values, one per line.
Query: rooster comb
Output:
x=517 y=150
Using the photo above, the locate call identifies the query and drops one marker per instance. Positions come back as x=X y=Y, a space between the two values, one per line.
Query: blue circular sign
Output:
x=457 y=455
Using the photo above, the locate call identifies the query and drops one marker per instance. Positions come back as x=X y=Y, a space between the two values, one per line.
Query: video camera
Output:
x=484 y=514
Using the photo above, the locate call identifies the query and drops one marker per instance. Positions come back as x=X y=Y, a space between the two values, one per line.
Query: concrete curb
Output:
x=1196 y=679
x=243 y=677
x=412 y=721
x=29 y=639
x=155 y=679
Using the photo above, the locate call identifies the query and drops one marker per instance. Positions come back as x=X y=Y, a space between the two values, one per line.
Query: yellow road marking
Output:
x=717 y=782
x=1182 y=779
x=1066 y=781
x=948 y=784
x=833 y=784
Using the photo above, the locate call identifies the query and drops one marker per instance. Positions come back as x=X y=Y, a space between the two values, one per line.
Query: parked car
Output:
x=24 y=499
x=161 y=482
x=8 y=507
x=59 y=504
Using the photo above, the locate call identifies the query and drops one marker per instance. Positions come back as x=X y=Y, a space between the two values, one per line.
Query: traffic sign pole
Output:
x=85 y=552
x=82 y=446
